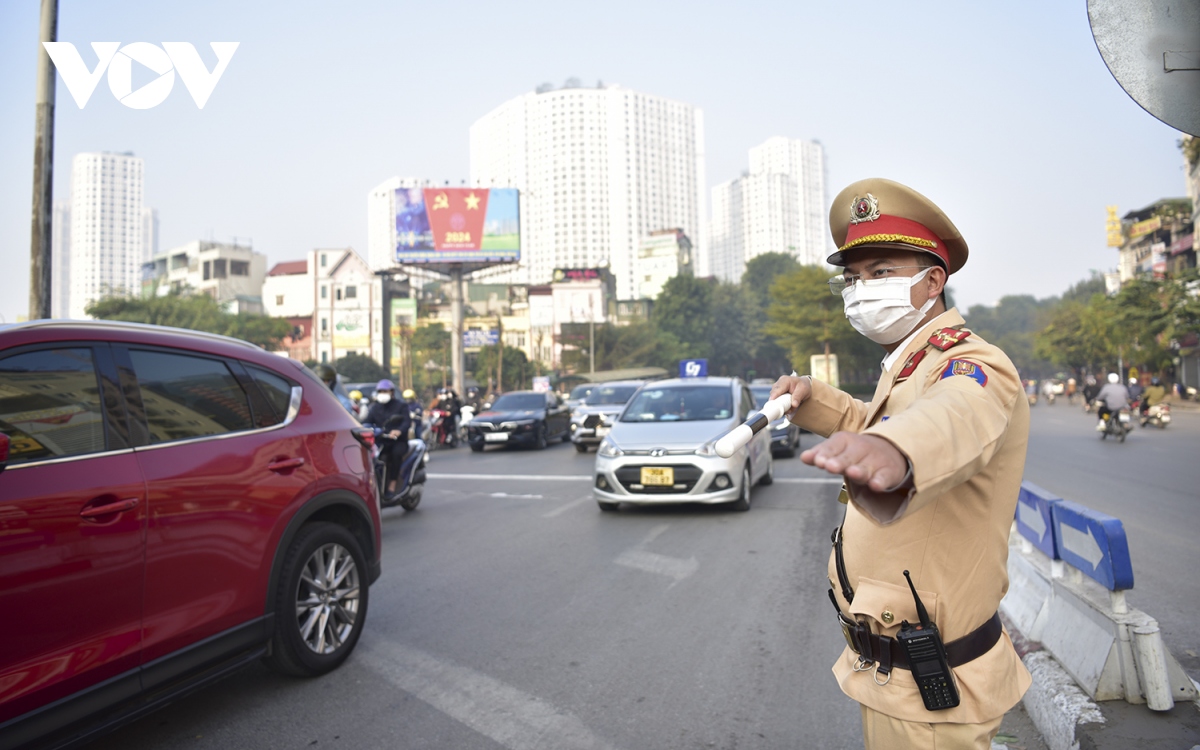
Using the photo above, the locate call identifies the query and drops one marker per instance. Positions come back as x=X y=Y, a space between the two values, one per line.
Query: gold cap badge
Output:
x=864 y=209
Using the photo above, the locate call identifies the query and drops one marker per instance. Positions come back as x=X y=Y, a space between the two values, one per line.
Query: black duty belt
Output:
x=886 y=652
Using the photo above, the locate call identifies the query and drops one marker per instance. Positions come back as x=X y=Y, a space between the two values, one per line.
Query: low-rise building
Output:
x=231 y=274
x=337 y=305
x=1153 y=235
x=662 y=256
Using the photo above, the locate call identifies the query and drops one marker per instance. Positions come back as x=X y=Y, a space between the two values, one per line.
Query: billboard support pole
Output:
x=456 y=335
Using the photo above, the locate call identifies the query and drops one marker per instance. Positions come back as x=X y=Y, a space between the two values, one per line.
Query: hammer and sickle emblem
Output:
x=440 y=201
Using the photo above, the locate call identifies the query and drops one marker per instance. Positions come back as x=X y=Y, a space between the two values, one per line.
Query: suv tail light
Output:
x=3 y=449
x=366 y=436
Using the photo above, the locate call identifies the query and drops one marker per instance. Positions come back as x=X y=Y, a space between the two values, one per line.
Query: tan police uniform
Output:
x=953 y=404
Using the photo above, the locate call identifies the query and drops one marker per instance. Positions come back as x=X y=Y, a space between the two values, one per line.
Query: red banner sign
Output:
x=456 y=217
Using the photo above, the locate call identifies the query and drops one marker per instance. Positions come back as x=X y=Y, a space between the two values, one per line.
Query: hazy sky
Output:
x=1003 y=113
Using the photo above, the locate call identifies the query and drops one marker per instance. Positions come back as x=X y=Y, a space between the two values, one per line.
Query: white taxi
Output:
x=661 y=447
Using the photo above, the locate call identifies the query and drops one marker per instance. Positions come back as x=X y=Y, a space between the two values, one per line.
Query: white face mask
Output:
x=881 y=309
x=384 y=397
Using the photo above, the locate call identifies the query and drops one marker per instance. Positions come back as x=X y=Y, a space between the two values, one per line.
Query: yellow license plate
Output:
x=658 y=475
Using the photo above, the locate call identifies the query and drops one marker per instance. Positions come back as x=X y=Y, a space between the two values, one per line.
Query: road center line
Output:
x=511 y=717
x=519 y=477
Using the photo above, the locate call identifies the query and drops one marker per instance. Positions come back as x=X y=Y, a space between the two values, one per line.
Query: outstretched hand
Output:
x=862 y=459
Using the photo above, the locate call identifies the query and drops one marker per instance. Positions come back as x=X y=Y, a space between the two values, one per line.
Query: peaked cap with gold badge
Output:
x=881 y=213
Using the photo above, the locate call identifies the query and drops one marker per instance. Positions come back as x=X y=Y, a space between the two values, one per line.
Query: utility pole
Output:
x=500 y=349
x=456 y=333
x=591 y=334
x=43 y=170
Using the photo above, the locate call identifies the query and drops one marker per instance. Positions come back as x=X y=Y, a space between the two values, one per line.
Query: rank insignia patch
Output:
x=911 y=365
x=964 y=367
x=948 y=337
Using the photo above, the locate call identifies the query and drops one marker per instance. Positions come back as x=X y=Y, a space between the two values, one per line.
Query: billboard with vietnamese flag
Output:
x=457 y=225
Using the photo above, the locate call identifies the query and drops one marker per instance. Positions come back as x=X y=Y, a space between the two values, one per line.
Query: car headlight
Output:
x=708 y=449
x=607 y=419
x=517 y=423
x=609 y=449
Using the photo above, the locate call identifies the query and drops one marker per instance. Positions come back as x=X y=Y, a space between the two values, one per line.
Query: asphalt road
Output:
x=512 y=613
x=1152 y=483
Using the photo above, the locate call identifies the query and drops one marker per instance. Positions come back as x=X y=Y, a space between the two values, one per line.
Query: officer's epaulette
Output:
x=910 y=366
x=948 y=337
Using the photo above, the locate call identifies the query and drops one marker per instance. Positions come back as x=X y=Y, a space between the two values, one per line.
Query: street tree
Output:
x=197 y=312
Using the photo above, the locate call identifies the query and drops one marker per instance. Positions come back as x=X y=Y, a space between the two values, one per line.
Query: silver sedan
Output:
x=660 y=449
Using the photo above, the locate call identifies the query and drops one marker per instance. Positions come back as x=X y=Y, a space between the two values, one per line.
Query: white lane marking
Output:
x=651 y=562
x=655 y=533
x=807 y=480
x=526 y=497
x=521 y=477
x=510 y=717
x=569 y=506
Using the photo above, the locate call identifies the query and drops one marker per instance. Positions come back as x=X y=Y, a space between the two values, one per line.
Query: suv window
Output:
x=277 y=391
x=50 y=404
x=188 y=397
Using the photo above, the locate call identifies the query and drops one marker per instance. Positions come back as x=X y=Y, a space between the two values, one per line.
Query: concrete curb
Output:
x=1058 y=708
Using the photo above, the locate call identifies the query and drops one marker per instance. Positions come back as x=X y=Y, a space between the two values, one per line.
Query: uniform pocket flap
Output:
x=889 y=604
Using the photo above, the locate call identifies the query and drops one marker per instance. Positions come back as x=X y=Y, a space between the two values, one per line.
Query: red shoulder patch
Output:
x=948 y=337
x=910 y=365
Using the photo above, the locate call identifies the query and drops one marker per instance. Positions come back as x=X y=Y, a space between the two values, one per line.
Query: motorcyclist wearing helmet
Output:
x=414 y=409
x=1154 y=395
x=1135 y=389
x=329 y=377
x=390 y=415
x=1113 y=397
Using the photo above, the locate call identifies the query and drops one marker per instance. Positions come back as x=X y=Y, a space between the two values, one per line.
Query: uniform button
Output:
x=887 y=616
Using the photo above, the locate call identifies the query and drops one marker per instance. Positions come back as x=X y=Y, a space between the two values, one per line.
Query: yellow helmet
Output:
x=355 y=395
x=409 y=393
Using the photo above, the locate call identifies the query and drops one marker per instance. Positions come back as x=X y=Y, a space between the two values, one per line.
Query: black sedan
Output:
x=520 y=418
x=785 y=436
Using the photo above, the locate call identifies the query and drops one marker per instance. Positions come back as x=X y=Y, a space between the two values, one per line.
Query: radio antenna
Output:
x=921 y=613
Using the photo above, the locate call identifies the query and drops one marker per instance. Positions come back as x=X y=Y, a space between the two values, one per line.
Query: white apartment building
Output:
x=60 y=261
x=663 y=256
x=106 y=228
x=778 y=206
x=804 y=162
x=598 y=169
x=752 y=215
x=149 y=233
x=231 y=274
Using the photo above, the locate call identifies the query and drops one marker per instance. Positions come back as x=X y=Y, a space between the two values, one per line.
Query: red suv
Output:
x=173 y=506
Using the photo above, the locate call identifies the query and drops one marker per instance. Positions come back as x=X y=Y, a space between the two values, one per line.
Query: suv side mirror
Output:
x=4 y=444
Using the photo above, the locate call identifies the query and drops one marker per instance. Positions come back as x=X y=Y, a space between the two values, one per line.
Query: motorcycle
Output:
x=410 y=484
x=441 y=427
x=1158 y=415
x=1117 y=424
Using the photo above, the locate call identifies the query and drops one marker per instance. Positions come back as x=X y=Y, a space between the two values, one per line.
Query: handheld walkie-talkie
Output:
x=927 y=658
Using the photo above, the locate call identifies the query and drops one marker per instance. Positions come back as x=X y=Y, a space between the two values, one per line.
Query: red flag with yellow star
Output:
x=456 y=217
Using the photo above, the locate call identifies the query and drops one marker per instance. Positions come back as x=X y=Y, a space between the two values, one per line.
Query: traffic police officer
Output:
x=932 y=467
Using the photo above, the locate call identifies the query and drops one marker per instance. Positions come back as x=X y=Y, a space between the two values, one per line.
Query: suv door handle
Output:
x=118 y=506
x=285 y=464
